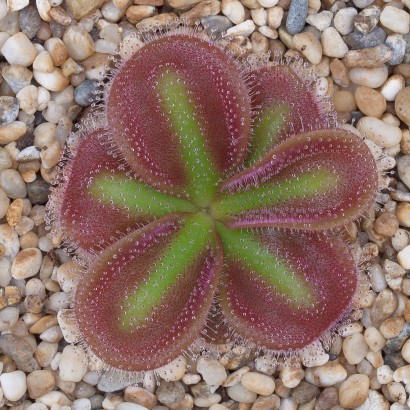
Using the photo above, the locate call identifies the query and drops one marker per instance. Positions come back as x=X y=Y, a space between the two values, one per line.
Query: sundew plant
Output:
x=206 y=203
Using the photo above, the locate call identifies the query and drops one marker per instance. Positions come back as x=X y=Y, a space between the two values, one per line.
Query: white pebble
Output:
x=381 y=133
x=243 y=29
x=173 y=371
x=73 y=364
x=234 y=10
x=392 y=87
x=26 y=264
x=14 y=385
x=258 y=383
x=241 y=394
x=395 y=19
x=404 y=257
x=212 y=371
x=333 y=44
x=370 y=77
x=19 y=50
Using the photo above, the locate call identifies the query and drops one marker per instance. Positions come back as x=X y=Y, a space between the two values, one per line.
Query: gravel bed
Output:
x=53 y=53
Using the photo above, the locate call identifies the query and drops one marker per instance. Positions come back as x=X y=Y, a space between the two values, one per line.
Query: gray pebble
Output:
x=357 y=40
x=406 y=58
x=83 y=94
x=403 y=167
x=96 y=401
x=108 y=383
x=297 y=14
x=38 y=191
x=30 y=21
x=361 y=4
x=397 y=44
x=216 y=25
x=9 y=109
x=57 y=29
x=394 y=360
x=395 y=344
x=16 y=76
x=16 y=348
x=170 y=392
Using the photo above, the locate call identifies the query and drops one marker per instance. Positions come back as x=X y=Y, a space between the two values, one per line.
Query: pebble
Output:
x=38 y=191
x=258 y=383
x=369 y=101
x=79 y=43
x=368 y=57
x=320 y=20
x=26 y=264
x=39 y=383
x=243 y=29
x=240 y=393
x=395 y=19
x=354 y=390
x=53 y=81
x=55 y=398
x=85 y=404
x=374 y=339
x=79 y=8
x=392 y=87
x=19 y=50
x=9 y=109
x=333 y=44
x=381 y=133
x=84 y=94
x=367 y=19
x=30 y=21
x=170 y=392
x=403 y=257
x=358 y=40
x=73 y=364
x=326 y=375
x=172 y=371
x=141 y=396
x=45 y=353
x=13 y=384
x=216 y=25
x=212 y=371
x=370 y=77
x=402 y=213
x=12 y=183
x=402 y=105
x=291 y=376
x=297 y=14
x=8 y=317
x=127 y=406
x=234 y=10
x=16 y=76
x=343 y=20
x=397 y=44
x=309 y=45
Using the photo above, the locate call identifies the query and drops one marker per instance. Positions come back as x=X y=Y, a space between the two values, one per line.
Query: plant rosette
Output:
x=206 y=203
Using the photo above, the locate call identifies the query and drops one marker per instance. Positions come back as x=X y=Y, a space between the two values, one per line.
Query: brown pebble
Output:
x=402 y=105
x=369 y=101
x=368 y=57
x=138 y=395
x=43 y=324
x=340 y=73
x=60 y=16
x=344 y=101
x=386 y=224
x=14 y=212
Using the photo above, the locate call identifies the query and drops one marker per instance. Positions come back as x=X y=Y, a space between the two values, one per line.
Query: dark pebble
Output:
x=170 y=392
x=9 y=109
x=297 y=14
x=395 y=360
x=30 y=21
x=26 y=140
x=84 y=93
x=38 y=191
x=395 y=344
x=304 y=392
x=357 y=40
x=16 y=348
x=216 y=25
x=57 y=29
